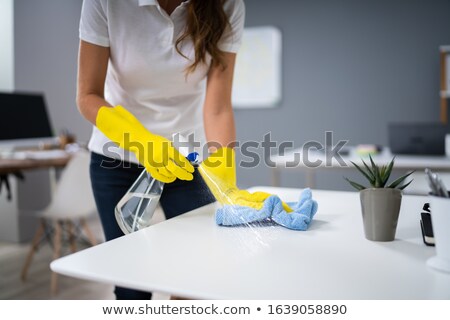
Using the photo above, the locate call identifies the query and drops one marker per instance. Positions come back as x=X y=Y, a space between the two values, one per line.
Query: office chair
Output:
x=65 y=216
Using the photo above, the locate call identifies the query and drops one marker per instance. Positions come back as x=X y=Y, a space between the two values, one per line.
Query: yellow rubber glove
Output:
x=219 y=173
x=154 y=152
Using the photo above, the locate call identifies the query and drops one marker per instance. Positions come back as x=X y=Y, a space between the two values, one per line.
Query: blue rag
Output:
x=303 y=212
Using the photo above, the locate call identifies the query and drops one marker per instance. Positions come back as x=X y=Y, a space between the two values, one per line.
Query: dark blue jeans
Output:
x=112 y=178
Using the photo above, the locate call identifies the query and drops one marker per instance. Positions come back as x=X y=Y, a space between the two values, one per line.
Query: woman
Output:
x=169 y=64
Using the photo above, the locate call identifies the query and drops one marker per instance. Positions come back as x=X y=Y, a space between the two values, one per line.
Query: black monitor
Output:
x=23 y=116
x=417 y=138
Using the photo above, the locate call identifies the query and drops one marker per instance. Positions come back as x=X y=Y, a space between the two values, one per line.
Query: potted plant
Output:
x=380 y=203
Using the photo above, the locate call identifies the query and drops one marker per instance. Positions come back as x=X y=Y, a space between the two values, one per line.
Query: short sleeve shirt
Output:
x=145 y=73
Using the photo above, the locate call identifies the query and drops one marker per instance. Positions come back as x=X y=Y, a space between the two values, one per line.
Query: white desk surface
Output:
x=404 y=162
x=192 y=257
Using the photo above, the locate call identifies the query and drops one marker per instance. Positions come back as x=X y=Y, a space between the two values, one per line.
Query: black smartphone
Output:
x=426 y=226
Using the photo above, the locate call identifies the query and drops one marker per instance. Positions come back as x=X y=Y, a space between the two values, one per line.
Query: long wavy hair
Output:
x=206 y=23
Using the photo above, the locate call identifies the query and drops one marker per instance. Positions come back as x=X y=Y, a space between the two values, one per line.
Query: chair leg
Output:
x=56 y=255
x=88 y=232
x=70 y=229
x=34 y=246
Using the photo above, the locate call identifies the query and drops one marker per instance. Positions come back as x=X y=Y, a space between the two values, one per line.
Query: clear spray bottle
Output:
x=136 y=208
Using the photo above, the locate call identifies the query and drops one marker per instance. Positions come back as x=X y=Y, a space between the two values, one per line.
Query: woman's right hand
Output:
x=154 y=152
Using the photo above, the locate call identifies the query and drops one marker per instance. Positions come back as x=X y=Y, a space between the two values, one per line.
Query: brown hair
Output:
x=206 y=23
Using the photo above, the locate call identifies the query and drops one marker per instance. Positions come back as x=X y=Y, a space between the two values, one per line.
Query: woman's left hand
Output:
x=219 y=173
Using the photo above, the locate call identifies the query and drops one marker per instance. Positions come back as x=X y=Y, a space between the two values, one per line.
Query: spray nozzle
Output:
x=193 y=157
x=185 y=148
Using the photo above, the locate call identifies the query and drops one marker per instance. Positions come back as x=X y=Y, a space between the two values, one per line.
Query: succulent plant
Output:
x=378 y=176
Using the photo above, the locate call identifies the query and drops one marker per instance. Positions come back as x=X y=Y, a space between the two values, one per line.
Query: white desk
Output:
x=18 y=219
x=402 y=162
x=192 y=257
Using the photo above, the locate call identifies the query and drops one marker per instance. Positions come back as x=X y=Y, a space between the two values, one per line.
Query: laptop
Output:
x=417 y=138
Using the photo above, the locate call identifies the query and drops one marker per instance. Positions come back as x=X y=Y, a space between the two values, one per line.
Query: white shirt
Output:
x=146 y=74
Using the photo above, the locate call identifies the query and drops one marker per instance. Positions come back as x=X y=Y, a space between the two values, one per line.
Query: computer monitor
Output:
x=417 y=138
x=24 y=120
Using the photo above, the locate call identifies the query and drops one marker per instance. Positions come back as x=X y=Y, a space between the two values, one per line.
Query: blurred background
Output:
x=351 y=67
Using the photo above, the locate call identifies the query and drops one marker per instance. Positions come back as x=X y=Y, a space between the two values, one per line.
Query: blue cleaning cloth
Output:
x=233 y=215
x=303 y=212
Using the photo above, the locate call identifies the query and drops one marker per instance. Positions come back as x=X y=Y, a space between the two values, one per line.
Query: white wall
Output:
x=7 y=44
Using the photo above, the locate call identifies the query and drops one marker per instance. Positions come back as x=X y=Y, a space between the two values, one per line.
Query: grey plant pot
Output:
x=380 y=210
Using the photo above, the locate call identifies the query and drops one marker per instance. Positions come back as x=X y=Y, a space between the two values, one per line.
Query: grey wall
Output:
x=349 y=66
x=46 y=48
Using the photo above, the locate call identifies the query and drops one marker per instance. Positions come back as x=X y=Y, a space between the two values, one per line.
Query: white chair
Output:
x=72 y=203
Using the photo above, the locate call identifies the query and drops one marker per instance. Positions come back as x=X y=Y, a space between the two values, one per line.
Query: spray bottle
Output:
x=136 y=208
